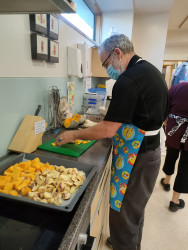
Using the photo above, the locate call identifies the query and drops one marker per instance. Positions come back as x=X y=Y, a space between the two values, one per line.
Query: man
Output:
x=137 y=110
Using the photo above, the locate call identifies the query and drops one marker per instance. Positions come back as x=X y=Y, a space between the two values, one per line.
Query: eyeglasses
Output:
x=103 y=64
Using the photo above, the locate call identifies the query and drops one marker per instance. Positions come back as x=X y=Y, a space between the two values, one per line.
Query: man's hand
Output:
x=104 y=129
x=65 y=137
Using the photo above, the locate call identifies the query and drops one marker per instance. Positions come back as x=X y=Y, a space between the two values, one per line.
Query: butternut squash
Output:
x=79 y=118
x=25 y=191
x=70 y=123
x=8 y=186
x=14 y=192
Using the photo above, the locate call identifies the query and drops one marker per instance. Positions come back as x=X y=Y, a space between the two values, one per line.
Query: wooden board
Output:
x=25 y=140
x=70 y=149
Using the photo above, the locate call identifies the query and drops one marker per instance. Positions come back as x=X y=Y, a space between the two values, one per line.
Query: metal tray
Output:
x=67 y=205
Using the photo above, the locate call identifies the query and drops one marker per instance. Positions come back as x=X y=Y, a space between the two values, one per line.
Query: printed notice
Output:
x=39 y=127
x=88 y=83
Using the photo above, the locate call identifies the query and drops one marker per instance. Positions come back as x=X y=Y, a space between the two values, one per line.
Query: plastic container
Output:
x=93 y=99
x=99 y=92
x=112 y=32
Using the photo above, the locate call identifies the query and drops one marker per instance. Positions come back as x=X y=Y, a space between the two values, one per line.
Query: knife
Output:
x=37 y=110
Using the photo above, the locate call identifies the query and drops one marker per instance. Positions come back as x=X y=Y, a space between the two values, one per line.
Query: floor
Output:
x=163 y=230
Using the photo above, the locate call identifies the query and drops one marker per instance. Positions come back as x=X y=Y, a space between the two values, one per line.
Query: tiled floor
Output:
x=164 y=230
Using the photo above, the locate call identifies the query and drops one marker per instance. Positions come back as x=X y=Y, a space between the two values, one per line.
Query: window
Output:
x=83 y=19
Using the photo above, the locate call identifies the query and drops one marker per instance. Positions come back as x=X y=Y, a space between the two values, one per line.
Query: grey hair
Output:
x=117 y=41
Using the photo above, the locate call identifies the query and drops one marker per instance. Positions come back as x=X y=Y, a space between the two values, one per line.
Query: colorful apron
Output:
x=126 y=144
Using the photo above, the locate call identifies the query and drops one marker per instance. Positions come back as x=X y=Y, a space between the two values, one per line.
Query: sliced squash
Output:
x=79 y=118
x=70 y=123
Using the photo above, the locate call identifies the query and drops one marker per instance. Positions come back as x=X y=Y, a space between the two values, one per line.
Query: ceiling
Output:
x=111 y=5
x=178 y=13
x=139 y=6
x=178 y=9
x=149 y=6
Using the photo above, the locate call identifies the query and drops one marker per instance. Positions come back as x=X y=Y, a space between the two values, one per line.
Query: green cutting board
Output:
x=71 y=149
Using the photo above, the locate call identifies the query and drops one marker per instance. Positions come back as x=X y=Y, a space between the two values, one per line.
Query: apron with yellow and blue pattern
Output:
x=126 y=144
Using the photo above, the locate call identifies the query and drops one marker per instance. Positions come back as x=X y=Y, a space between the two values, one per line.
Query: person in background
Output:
x=177 y=144
x=180 y=74
x=135 y=115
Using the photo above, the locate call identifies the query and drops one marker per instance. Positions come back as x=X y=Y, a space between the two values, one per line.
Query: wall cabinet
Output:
x=99 y=216
x=96 y=66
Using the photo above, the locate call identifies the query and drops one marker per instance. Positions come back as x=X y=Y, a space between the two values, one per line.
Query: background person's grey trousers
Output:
x=126 y=225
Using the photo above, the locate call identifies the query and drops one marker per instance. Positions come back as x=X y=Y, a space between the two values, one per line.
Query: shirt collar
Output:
x=133 y=61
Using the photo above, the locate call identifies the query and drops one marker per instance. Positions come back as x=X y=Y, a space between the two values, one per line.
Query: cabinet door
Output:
x=96 y=66
x=101 y=201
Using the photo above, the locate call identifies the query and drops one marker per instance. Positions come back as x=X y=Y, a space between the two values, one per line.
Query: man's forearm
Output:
x=102 y=130
x=96 y=132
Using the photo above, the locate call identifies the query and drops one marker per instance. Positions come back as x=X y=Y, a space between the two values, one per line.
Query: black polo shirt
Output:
x=140 y=97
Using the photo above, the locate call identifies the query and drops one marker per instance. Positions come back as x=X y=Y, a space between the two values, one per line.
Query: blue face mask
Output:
x=113 y=73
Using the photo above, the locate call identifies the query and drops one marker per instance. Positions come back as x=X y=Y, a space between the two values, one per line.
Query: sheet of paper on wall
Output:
x=39 y=127
x=70 y=89
x=88 y=83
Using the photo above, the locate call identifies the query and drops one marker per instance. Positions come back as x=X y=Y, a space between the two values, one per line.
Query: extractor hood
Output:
x=37 y=6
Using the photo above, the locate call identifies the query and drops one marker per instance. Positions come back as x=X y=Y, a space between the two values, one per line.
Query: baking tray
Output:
x=67 y=205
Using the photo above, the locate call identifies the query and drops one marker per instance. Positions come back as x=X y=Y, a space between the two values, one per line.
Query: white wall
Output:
x=176 y=45
x=176 y=53
x=121 y=20
x=149 y=36
x=24 y=84
x=15 y=49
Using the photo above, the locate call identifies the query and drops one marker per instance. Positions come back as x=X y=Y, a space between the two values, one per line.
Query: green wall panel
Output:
x=21 y=96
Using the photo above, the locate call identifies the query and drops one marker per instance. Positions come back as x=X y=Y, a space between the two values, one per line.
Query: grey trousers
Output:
x=126 y=226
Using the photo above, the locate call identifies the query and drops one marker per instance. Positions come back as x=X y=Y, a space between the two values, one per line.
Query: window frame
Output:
x=78 y=30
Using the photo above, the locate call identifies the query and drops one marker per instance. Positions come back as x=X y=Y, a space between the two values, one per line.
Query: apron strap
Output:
x=153 y=132
x=179 y=121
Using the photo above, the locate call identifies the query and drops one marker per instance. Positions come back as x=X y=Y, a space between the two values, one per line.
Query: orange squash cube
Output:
x=3 y=183
x=31 y=170
x=43 y=169
x=51 y=167
x=17 y=183
x=4 y=180
x=10 y=169
x=8 y=186
x=25 y=164
x=18 y=168
x=14 y=192
x=4 y=191
x=37 y=165
x=31 y=176
x=21 y=186
x=7 y=173
x=28 y=181
x=16 y=173
x=47 y=165
x=25 y=191
x=36 y=160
